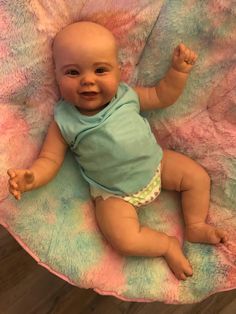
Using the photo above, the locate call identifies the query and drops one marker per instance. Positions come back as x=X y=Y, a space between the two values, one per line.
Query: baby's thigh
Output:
x=180 y=172
x=116 y=218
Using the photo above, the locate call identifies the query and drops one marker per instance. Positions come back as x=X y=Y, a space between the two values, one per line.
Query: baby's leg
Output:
x=182 y=174
x=119 y=224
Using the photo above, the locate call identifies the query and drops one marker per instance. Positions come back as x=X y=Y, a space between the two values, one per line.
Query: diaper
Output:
x=143 y=197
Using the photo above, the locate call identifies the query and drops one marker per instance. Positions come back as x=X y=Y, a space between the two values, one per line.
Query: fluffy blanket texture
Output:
x=56 y=224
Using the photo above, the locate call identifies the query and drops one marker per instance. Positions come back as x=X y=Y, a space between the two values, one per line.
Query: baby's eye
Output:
x=101 y=70
x=72 y=72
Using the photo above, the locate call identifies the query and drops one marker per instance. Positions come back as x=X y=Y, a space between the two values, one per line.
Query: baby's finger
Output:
x=193 y=56
x=11 y=190
x=17 y=195
x=177 y=51
x=188 y=55
x=191 y=59
x=183 y=52
x=181 y=47
x=11 y=173
x=13 y=184
x=14 y=192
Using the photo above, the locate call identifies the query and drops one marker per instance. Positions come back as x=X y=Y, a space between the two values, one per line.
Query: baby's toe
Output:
x=186 y=272
x=189 y=271
x=221 y=235
x=181 y=276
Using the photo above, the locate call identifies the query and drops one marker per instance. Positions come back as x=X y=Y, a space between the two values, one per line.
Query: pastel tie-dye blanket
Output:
x=56 y=224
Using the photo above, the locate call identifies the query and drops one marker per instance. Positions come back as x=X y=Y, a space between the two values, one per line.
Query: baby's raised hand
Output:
x=183 y=58
x=20 y=180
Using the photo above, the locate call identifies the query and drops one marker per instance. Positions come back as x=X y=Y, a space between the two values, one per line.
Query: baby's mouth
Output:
x=89 y=94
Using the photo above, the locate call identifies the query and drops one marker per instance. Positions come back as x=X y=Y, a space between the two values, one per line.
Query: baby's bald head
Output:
x=86 y=36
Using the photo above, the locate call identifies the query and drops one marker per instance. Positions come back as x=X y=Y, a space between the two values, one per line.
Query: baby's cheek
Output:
x=66 y=88
x=113 y=87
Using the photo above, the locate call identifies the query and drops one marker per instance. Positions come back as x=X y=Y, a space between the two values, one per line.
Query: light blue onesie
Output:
x=115 y=148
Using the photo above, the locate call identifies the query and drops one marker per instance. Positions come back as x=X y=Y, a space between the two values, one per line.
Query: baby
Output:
x=98 y=117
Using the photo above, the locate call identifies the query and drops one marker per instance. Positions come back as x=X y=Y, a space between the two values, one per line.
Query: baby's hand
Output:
x=183 y=58
x=20 y=180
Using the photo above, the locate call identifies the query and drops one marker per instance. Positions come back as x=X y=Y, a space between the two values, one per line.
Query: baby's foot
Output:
x=204 y=233
x=177 y=261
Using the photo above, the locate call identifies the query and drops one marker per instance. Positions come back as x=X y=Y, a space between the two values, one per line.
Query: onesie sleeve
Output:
x=63 y=117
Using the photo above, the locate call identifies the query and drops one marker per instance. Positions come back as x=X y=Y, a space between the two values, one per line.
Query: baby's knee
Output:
x=200 y=178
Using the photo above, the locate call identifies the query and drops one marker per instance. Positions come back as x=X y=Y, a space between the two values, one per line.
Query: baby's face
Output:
x=87 y=69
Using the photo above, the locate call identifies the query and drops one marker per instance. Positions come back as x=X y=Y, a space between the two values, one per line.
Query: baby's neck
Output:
x=92 y=112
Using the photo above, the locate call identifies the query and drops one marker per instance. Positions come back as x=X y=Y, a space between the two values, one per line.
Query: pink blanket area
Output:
x=56 y=223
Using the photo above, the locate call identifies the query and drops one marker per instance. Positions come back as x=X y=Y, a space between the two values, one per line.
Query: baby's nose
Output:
x=87 y=80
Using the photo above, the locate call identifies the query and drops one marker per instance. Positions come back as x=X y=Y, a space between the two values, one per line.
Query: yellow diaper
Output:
x=142 y=197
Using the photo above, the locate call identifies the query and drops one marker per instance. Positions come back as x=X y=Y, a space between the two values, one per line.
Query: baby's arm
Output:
x=167 y=91
x=45 y=166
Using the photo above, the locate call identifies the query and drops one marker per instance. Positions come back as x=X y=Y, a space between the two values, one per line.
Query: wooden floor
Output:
x=27 y=288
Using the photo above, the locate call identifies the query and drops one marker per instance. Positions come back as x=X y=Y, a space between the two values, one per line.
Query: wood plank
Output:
x=7 y=244
x=75 y=301
x=13 y=269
